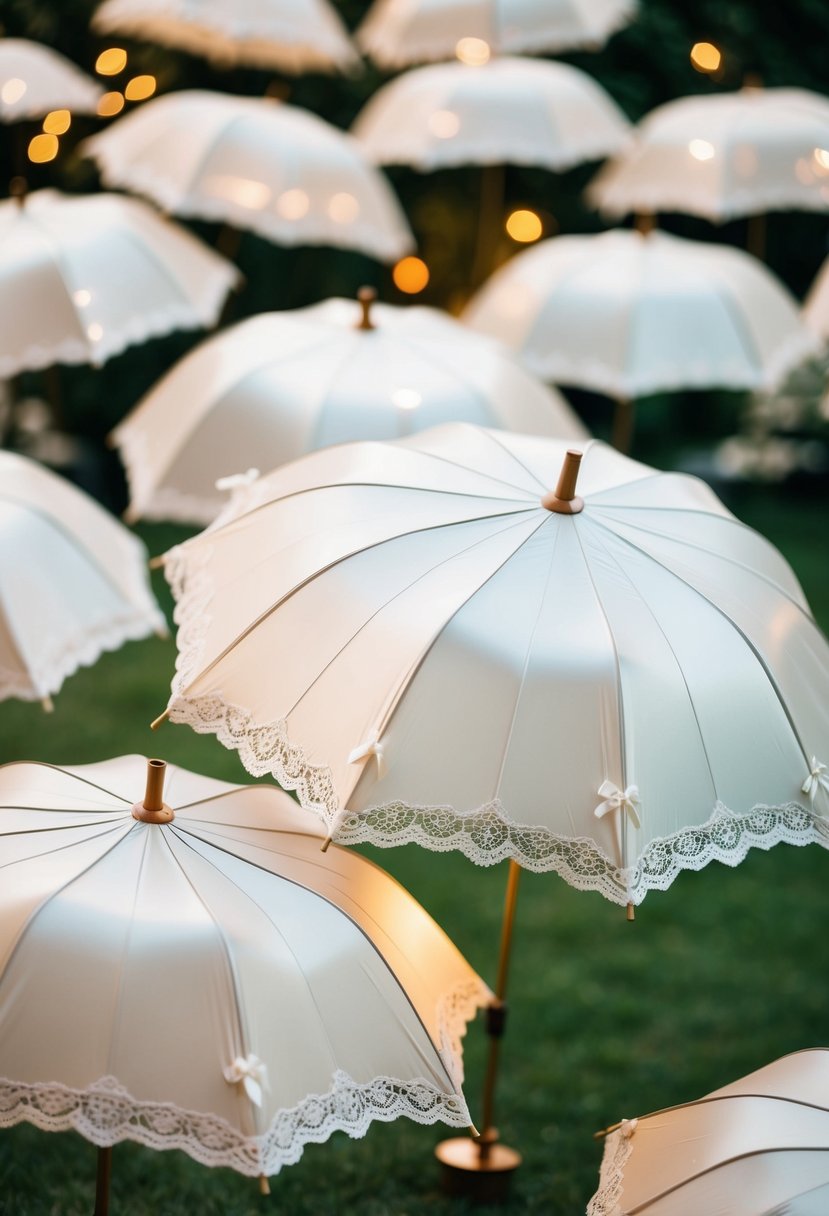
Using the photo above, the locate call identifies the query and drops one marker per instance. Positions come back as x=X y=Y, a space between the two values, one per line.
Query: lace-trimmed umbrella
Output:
x=193 y=974
x=816 y=304
x=758 y=1147
x=397 y=33
x=258 y=164
x=73 y=582
x=34 y=79
x=287 y=35
x=281 y=384
x=84 y=277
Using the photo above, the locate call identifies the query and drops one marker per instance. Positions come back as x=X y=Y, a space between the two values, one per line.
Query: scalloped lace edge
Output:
x=151 y=501
x=617 y=1151
x=615 y=201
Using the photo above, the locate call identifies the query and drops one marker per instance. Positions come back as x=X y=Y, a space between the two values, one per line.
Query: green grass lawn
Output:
x=719 y=975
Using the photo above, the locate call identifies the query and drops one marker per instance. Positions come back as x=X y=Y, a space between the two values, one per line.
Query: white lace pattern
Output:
x=617 y=1150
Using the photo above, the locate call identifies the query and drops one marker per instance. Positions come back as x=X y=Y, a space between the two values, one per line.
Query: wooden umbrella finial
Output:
x=18 y=189
x=366 y=297
x=154 y=809
x=564 y=500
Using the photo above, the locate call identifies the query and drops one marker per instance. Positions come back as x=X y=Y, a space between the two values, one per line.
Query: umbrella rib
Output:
x=66 y=773
x=60 y=263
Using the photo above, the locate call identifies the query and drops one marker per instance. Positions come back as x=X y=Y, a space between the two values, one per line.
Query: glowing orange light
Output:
x=411 y=275
x=111 y=62
x=140 y=88
x=705 y=57
x=57 y=122
x=111 y=104
x=524 y=226
x=43 y=148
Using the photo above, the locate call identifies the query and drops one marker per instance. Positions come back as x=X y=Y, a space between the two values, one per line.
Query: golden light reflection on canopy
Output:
x=57 y=122
x=701 y=149
x=111 y=61
x=293 y=204
x=444 y=124
x=43 y=148
x=524 y=226
x=13 y=89
x=473 y=51
x=705 y=57
x=411 y=275
x=140 y=88
x=111 y=104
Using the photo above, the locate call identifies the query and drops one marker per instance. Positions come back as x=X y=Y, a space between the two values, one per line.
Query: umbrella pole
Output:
x=756 y=236
x=623 y=419
x=103 y=1175
x=490 y=213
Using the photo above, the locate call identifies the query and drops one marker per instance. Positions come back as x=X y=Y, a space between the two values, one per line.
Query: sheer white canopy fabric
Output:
x=759 y=1147
x=398 y=33
x=259 y=164
x=84 y=277
x=34 y=79
x=722 y=156
x=288 y=35
x=404 y=634
x=816 y=304
x=518 y=111
x=215 y=984
x=280 y=385
x=73 y=581
x=629 y=314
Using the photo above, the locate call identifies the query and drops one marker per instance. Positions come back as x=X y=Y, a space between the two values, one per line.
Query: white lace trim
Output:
x=523 y=150
x=150 y=501
x=615 y=200
x=617 y=1151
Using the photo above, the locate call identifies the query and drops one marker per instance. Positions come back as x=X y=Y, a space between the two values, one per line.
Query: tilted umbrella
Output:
x=282 y=384
x=84 y=277
x=816 y=304
x=757 y=1147
x=193 y=974
x=397 y=33
x=34 y=79
x=291 y=35
x=258 y=164
x=73 y=582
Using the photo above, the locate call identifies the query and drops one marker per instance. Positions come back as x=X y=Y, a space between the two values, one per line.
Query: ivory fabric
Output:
x=288 y=35
x=84 y=277
x=73 y=581
x=513 y=110
x=34 y=79
x=722 y=156
x=281 y=384
x=629 y=314
x=508 y=660
x=215 y=984
x=759 y=1147
x=398 y=33
x=816 y=304
x=254 y=162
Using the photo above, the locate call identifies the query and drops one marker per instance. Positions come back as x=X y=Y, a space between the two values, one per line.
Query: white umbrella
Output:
x=282 y=384
x=397 y=33
x=251 y=161
x=73 y=583
x=34 y=79
x=757 y=1147
x=84 y=277
x=721 y=156
x=193 y=974
x=816 y=304
x=510 y=110
x=291 y=35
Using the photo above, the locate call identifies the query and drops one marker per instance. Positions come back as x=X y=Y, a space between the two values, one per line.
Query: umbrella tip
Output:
x=564 y=500
x=154 y=809
x=631 y=912
x=366 y=296
x=18 y=189
x=644 y=222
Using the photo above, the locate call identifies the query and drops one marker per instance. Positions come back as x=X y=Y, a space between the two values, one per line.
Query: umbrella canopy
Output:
x=193 y=974
x=84 y=277
x=34 y=79
x=510 y=110
x=816 y=304
x=629 y=314
x=256 y=163
x=759 y=1147
x=282 y=384
x=721 y=156
x=288 y=35
x=73 y=584
x=397 y=33
x=418 y=639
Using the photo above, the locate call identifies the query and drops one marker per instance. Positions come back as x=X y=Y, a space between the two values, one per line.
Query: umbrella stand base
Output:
x=476 y=1171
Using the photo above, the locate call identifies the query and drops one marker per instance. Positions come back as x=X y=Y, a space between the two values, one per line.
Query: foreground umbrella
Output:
x=816 y=304
x=758 y=1147
x=196 y=976
x=397 y=33
x=84 y=277
x=291 y=35
x=34 y=79
x=282 y=384
x=273 y=169
x=73 y=582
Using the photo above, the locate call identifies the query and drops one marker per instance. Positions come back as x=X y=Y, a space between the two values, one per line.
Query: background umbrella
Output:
x=258 y=164
x=816 y=304
x=73 y=582
x=34 y=79
x=758 y=1147
x=291 y=35
x=195 y=976
x=281 y=384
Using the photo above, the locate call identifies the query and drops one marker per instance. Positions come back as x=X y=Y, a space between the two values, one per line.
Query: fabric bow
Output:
x=372 y=747
x=236 y=480
x=252 y=1073
x=817 y=780
x=619 y=800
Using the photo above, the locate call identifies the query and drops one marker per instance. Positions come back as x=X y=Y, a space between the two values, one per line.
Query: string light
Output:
x=524 y=226
x=473 y=51
x=140 y=88
x=701 y=149
x=705 y=57
x=111 y=61
x=110 y=104
x=57 y=122
x=411 y=275
x=13 y=90
x=43 y=148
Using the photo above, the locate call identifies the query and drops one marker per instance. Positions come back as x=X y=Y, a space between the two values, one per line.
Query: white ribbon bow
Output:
x=252 y=1073
x=816 y=780
x=372 y=747
x=236 y=480
x=619 y=800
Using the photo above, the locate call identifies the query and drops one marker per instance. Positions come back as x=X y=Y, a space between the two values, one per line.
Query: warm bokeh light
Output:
x=473 y=51
x=57 y=122
x=43 y=148
x=95 y=332
x=444 y=124
x=111 y=62
x=343 y=208
x=822 y=158
x=82 y=297
x=705 y=57
x=700 y=149
x=406 y=398
x=524 y=226
x=12 y=90
x=293 y=204
x=111 y=104
x=140 y=88
x=411 y=275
